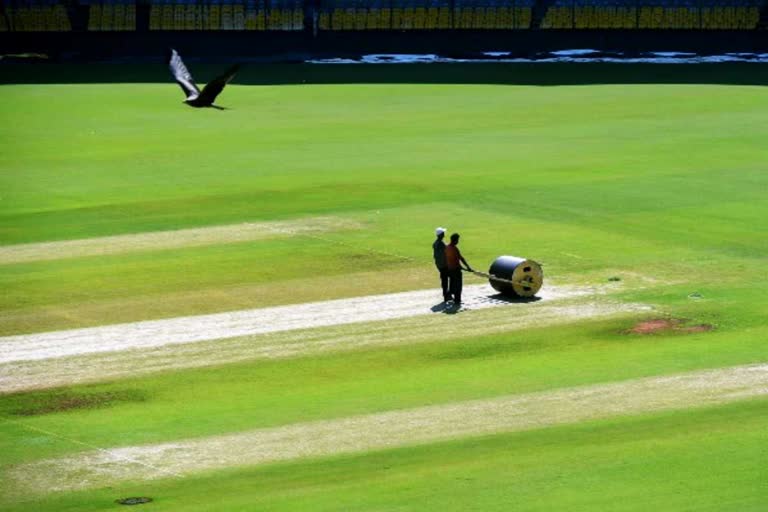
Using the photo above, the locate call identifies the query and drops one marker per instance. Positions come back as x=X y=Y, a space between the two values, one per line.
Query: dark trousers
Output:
x=455 y=284
x=444 y=283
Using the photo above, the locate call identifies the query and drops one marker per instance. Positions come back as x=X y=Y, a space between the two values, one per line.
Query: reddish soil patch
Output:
x=667 y=325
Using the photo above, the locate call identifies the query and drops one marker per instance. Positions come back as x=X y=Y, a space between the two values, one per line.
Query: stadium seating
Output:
x=653 y=14
x=34 y=16
x=402 y=15
x=426 y=15
x=284 y=15
x=111 y=15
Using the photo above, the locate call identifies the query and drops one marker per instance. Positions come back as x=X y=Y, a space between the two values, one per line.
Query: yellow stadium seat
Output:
x=118 y=17
x=753 y=17
x=443 y=17
x=130 y=16
x=21 y=20
x=361 y=16
x=372 y=19
x=167 y=17
x=406 y=20
x=107 y=17
x=349 y=19
x=188 y=16
x=154 y=17
x=298 y=19
x=35 y=20
x=261 y=20
x=463 y=18
x=430 y=18
x=385 y=19
x=273 y=19
x=595 y=18
x=47 y=18
x=419 y=16
x=238 y=17
x=94 y=17
x=226 y=17
x=397 y=18
x=324 y=21
x=665 y=17
x=579 y=17
x=523 y=17
x=214 y=17
x=476 y=18
x=179 y=17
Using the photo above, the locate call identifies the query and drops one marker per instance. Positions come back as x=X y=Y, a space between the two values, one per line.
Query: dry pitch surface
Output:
x=68 y=357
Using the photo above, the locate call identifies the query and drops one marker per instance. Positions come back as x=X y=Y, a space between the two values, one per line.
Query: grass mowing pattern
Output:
x=661 y=185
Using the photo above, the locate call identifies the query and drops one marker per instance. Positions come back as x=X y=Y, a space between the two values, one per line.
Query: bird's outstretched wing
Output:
x=215 y=86
x=181 y=75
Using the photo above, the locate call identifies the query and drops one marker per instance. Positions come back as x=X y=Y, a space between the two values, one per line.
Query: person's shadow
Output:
x=449 y=308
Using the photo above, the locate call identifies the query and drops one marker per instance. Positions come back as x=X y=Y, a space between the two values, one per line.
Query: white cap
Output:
x=440 y=231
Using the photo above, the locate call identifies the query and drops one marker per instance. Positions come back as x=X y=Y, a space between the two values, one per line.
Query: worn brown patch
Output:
x=48 y=403
x=667 y=325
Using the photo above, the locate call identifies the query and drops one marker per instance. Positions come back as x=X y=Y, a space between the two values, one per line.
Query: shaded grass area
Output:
x=709 y=459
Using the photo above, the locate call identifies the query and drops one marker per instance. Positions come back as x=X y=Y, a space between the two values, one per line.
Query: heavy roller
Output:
x=514 y=276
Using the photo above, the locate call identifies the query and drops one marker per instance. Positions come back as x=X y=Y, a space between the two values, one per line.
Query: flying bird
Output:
x=195 y=97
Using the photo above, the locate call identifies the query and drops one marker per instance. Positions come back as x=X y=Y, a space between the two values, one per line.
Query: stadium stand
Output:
x=424 y=15
x=111 y=15
x=286 y=15
x=34 y=16
x=653 y=14
x=368 y=15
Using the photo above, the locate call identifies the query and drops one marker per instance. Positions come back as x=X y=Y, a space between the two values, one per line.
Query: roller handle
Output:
x=490 y=276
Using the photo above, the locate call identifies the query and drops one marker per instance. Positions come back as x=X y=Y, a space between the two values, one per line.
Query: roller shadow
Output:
x=500 y=297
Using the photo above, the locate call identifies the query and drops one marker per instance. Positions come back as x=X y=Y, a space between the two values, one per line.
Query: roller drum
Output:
x=516 y=276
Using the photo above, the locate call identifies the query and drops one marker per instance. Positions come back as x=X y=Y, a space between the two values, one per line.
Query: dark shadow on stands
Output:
x=278 y=58
x=537 y=74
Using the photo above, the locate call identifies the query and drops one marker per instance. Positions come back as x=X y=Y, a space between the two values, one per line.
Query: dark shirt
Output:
x=438 y=250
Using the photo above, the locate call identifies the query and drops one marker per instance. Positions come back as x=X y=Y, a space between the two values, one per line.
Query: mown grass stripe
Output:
x=173 y=239
x=394 y=429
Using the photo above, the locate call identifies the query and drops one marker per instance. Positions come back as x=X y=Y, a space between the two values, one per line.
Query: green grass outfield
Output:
x=655 y=175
